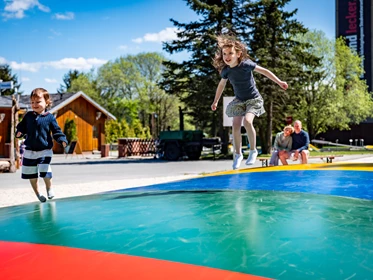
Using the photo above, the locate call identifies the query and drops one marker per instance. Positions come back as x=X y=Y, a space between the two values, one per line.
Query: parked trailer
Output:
x=175 y=144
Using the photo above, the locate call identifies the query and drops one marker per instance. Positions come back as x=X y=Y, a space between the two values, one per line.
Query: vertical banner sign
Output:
x=353 y=23
x=227 y=121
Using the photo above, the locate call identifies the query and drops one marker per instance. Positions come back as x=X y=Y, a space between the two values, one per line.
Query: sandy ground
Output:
x=91 y=174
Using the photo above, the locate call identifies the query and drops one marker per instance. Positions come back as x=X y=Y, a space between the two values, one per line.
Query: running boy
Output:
x=37 y=126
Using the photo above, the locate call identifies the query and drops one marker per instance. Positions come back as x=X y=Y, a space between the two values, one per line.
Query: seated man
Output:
x=299 y=148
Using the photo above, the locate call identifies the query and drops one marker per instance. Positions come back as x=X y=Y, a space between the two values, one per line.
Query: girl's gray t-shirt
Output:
x=242 y=79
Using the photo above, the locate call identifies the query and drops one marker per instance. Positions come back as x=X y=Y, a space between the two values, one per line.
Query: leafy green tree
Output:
x=68 y=78
x=130 y=89
x=139 y=130
x=121 y=129
x=121 y=108
x=317 y=93
x=358 y=104
x=7 y=76
x=119 y=79
x=195 y=80
x=86 y=82
x=334 y=96
x=115 y=130
x=266 y=28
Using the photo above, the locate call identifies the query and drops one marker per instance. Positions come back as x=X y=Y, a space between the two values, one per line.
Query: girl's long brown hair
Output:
x=225 y=41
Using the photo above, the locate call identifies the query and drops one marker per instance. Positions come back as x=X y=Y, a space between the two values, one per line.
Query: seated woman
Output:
x=299 y=150
x=282 y=144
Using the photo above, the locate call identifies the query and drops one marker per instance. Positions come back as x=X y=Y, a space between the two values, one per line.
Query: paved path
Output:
x=92 y=174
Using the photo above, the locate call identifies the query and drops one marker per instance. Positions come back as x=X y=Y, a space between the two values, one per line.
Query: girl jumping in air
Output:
x=234 y=64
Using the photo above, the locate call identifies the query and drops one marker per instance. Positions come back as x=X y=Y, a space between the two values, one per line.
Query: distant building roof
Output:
x=6 y=102
x=59 y=100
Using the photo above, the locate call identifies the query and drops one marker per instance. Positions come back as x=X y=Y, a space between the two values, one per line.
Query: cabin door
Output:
x=95 y=138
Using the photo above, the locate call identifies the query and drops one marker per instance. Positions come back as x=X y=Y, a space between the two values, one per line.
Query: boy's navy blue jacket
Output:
x=38 y=129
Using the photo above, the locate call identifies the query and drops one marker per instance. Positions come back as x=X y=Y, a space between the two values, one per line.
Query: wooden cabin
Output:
x=88 y=115
x=5 y=123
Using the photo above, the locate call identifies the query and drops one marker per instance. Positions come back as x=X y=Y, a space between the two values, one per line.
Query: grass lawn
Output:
x=357 y=152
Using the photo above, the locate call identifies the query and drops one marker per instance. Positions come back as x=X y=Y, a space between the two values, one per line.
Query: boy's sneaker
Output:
x=42 y=198
x=252 y=157
x=50 y=194
x=237 y=160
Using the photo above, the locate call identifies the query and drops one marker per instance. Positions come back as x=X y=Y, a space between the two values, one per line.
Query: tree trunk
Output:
x=262 y=136
x=224 y=136
x=12 y=168
x=310 y=129
x=214 y=125
x=17 y=155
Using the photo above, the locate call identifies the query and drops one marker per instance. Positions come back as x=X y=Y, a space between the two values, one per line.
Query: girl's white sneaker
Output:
x=237 y=161
x=252 y=157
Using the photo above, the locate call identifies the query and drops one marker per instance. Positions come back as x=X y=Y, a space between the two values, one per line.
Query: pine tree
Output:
x=68 y=78
x=272 y=43
x=7 y=76
x=268 y=31
x=195 y=80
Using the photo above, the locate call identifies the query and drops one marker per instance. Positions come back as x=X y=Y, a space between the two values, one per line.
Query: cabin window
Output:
x=95 y=132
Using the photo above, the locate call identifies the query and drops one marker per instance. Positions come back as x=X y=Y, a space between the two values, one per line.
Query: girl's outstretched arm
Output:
x=270 y=75
x=218 y=93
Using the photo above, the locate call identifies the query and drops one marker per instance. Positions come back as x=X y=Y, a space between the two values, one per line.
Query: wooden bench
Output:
x=329 y=159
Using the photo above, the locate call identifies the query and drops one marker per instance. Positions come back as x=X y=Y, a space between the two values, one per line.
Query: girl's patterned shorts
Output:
x=239 y=108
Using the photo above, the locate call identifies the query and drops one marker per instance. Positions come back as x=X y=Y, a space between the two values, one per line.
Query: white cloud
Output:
x=138 y=40
x=17 y=8
x=65 y=63
x=65 y=16
x=30 y=67
x=129 y=49
x=75 y=63
x=123 y=47
x=25 y=79
x=51 y=81
x=168 y=34
x=55 y=32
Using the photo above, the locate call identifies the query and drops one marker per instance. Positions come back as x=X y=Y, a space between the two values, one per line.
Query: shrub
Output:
x=70 y=130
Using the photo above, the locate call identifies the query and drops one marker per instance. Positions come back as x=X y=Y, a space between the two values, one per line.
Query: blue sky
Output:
x=43 y=39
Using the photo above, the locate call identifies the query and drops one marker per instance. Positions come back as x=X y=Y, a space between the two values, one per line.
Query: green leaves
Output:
x=333 y=96
x=128 y=88
x=70 y=130
x=7 y=76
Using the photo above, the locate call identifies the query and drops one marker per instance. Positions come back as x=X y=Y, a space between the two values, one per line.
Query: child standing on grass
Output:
x=37 y=126
x=234 y=64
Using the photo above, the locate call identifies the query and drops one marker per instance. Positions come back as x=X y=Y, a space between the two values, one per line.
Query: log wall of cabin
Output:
x=84 y=115
x=5 y=131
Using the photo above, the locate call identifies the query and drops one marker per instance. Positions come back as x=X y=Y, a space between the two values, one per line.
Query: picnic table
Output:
x=329 y=158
